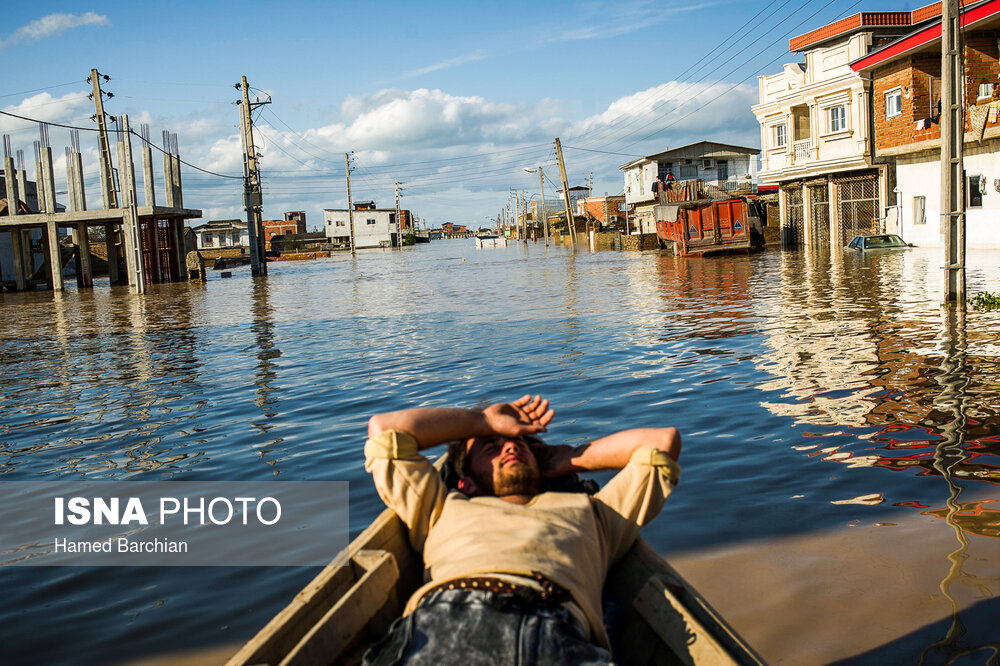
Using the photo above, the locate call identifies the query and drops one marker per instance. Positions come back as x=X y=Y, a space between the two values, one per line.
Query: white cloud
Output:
x=446 y=64
x=53 y=24
x=44 y=106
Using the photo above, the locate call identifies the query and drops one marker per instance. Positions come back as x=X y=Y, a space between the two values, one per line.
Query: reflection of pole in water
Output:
x=262 y=328
x=950 y=452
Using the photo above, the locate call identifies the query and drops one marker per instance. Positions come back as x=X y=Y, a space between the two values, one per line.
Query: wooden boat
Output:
x=662 y=619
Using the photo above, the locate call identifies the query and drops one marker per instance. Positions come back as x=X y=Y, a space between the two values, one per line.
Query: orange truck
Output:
x=703 y=226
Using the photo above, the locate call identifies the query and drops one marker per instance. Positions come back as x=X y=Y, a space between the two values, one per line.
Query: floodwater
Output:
x=841 y=429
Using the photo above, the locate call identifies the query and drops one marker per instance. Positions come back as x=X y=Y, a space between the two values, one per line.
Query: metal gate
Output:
x=819 y=213
x=857 y=206
x=792 y=233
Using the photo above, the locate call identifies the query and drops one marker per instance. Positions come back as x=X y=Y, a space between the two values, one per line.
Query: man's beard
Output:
x=518 y=480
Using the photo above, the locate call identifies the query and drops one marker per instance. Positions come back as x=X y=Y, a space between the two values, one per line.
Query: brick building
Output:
x=905 y=79
x=606 y=210
x=815 y=133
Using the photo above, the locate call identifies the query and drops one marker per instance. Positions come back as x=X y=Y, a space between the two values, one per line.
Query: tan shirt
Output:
x=571 y=538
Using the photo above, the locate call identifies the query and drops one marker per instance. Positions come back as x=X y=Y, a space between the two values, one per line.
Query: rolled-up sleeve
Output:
x=634 y=497
x=406 y=481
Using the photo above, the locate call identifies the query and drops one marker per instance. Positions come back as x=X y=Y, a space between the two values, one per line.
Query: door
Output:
x=723 y=167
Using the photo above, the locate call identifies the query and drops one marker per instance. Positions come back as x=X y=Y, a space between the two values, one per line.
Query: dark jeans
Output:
x=472 y=627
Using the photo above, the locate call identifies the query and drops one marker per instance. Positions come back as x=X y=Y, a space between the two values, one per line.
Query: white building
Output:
x=723 y=165
x=906 y=89
x=373 y=227
x=814 y=132
x=221 y=233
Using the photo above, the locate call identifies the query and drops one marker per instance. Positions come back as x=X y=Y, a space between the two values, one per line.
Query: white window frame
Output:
x=985 y=91
x=780 y=136
x=836 y=115
x=919 y=210
x=370 y=221
x=896 y=109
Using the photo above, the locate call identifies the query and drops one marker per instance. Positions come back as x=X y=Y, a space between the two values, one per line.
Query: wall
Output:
x=923 y=177
x=365 y=235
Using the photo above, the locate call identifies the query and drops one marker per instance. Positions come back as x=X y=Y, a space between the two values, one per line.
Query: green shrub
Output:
x=985 y=301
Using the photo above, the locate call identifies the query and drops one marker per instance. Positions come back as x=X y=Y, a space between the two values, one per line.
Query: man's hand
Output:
x=554 y=460
x=524 y=416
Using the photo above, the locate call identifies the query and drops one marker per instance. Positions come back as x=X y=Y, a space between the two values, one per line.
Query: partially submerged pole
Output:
x=952 y=139
x=350 y=206
x=565 y=185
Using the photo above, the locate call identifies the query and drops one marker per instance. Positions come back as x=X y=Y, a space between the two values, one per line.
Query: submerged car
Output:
x=878 y=242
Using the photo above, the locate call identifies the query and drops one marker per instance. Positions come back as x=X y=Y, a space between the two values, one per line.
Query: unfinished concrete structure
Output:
x=143 y=244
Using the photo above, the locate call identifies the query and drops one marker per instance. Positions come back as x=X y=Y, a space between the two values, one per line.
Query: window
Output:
x=370 y=221
x=664 y=169
x=985 y=90
x=779 y=135
x=838 y=119
x=340 y=223
x=893 y=103
x=689 y=171
x=977 y=187
x=919 y=210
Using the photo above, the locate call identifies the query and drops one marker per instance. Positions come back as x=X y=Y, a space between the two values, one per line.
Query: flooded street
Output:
x=841 y=429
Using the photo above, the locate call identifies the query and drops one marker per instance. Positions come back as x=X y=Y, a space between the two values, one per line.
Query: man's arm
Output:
x=611 y=452
x=431 y=426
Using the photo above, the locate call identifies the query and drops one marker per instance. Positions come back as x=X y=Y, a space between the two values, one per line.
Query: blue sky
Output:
x=452 y=99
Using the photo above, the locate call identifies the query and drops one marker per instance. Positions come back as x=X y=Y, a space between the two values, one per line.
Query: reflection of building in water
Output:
x=706 y=298
x=850 y=353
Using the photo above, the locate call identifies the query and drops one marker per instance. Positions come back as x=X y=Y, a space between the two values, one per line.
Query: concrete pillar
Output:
x=37 y=202
x=130 y=222
x=81 y=190
x=17 y=245
x=835 y=240
x=807 y=231
x=50 y=180
x=110 y=234
x=55 y=261
x=71 y=184
x=168 y=180
x=178 y=225
x=11 y=183
x=147 y=175
x=105 y=185
x=179 y=190
x=84 y=268
x=22 y=185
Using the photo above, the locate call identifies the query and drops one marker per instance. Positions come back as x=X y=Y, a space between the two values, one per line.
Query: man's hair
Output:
x=458 y=458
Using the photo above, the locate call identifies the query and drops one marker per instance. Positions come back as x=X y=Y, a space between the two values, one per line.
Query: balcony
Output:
x=802 y=150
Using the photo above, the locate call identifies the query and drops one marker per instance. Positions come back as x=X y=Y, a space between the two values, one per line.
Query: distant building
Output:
x=299 y=217
x=273 y=228
x=606 y=210
x=222 y=233
x=723 y=165
x=373 y=227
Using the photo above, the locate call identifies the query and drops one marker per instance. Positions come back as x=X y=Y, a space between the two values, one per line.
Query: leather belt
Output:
x=550 y=595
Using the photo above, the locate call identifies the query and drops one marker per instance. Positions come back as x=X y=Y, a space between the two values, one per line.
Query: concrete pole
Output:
x=55 y=259
x=84 y=269
x=147 y=176
x=50 y=180
x=565 y=184
x=952 y=140
x=350 y=206
x=111 y=247
x=38 y=202
x=81 y=188
x=130 y=222
x=17 y=245
x=178 y=225
x=107 y=168
x=258 y=259
x=168 y=179
x=71 y=182
x=22 y=185
x=545 y=217
x=179 y=191
x=11 y=182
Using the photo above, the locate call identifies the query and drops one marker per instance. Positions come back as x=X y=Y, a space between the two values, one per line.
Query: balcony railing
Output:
x=803 y=149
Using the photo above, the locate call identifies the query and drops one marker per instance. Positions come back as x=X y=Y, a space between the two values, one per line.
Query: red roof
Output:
x=923 y=38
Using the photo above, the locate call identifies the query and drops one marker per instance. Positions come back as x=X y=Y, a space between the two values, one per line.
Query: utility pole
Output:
x=565 y=184
x=107 y=177
x=252 y=199
x=524 y=216
x=545 y=217
x=350 y=206
x=399 y=224
x=952 y=139
x=590 y=184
